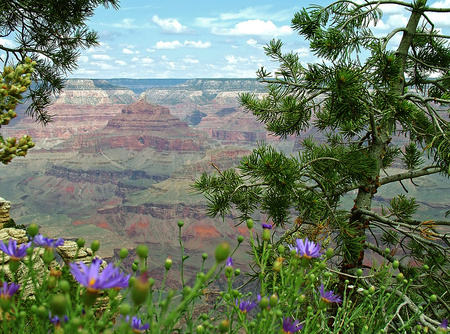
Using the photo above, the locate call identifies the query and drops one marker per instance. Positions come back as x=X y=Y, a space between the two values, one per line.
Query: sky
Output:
x=204 y=38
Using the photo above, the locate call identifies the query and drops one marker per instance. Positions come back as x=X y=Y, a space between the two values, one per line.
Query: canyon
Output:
x=118 y=162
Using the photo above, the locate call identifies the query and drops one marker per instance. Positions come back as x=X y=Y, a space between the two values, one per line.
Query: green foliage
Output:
x=14 y=82
x=361 y=105
x=52 y=41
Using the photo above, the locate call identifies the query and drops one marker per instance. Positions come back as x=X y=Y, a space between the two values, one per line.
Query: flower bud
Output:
x=204 y=256
x=64 y=285
x=237 y=272
x=48 y=256
x=58 y=305
x=95 y=246
x=240 y=239
x=125 y=308
x=266 y=234
x=278 y=264
x=142 y=251
x=400 y=277
x=433 y=298
x=264 y=303
x=200 y=329
x=80 y=242
x=33 y=230
x=395 y=264
x=249 y=224
x=180 y=223
x=168 y=264
x=224 y=325
x=273 y=300
x=140 y=289
x=359 y=272
x=222 y=251
x=329 y=253
x=123 y=253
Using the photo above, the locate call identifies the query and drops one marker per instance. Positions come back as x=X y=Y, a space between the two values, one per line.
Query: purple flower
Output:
x=6 y=291
x=12 y=250
x=328 y=297
x=266 y=226
x=307 y=249
x=56 y=320
x=229 y=262
x=444 y=326
x=245 y=305
x=47 y=243
x=136 y=324
x=291 y=326
x=94 y=281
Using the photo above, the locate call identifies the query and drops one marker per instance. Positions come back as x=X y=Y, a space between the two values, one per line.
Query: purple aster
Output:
x=307 y=249
x=291 y=326
x=56 y=320
x=266 y=226
x=6 y=291
x=444 y=325
x=47 y=243
x=229 y=262
x=136 y=324
x=328 y=297
x=245 y=305
x=94 y=281
x=12 y=250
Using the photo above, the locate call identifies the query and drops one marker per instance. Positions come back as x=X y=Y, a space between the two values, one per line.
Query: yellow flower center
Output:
x=91 y=282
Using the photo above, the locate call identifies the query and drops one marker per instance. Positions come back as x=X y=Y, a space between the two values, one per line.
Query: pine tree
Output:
x=45 y=37
x=50 y=32
x=362 y=96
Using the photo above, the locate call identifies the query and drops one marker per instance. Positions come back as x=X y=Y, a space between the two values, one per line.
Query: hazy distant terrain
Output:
x=118 y=162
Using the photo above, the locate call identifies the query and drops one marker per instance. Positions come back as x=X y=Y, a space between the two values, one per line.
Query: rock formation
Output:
x=5 y=206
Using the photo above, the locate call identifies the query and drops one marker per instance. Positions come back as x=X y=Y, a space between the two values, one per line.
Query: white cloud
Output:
x=253 y=43
x=167 y=45
x=233 y=60
x=146 y=60
x=7 y=43
x=170 y=25
x=101 y=57
x=102 y=66
x=83 y=59
x=120 y=62
x=177 y=44
x=440 y=19
x=127 y=51
x=190 y=60
x=205 y=21
x=198 y=45
x=126 y=23
x=254 y=27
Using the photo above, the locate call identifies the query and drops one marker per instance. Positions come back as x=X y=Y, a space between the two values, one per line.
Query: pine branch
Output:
x=411 y=174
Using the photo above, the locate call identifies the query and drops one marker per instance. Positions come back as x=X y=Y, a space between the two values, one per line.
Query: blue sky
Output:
x=203 y=38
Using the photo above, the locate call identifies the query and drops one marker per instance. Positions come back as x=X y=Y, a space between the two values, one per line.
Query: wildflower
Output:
x=47 y=243
x=328 y=297
x=443 y=327
x=263 y=302
x=229 y=267
x=11 y=249
x=140 y=289
x=245 y=305
x=94 y=281
x=266 y=226
x=136 y=324
x=55 y=320
x=291 y=326
x=6 y=291
x=306 y=249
